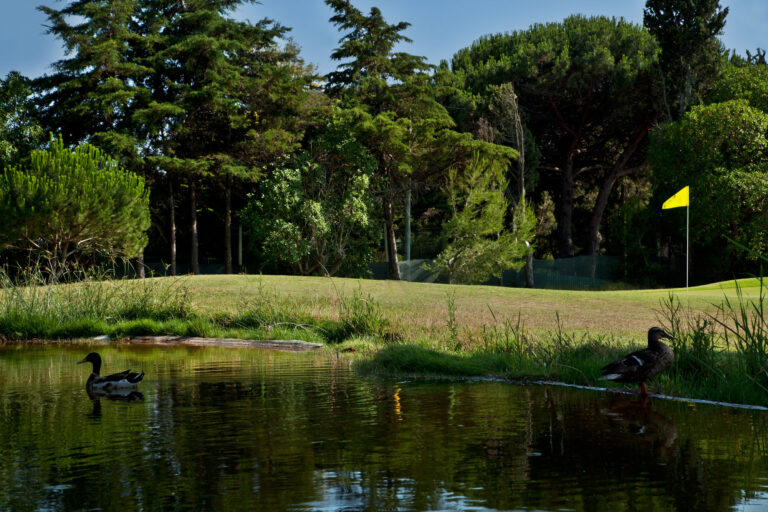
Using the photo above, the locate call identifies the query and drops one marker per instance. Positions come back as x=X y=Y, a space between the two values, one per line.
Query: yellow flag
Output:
x=682 y=198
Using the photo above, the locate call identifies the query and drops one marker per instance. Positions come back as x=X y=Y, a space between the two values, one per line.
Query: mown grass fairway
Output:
x=415 y=306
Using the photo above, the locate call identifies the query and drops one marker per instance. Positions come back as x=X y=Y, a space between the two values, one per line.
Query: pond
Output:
x=239 y=429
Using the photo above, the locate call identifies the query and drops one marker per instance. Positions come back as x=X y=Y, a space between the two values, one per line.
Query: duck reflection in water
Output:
x=635 y=421
x=122 y=395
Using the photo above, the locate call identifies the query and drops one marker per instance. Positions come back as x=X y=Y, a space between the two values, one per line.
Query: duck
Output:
x=122 y=380
x=642 y=365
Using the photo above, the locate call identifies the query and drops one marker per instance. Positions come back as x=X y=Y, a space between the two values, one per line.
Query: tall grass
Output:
x=745 y=330
x=721 y=355
x=31 y=308
x=362 y=315
x=83 y=304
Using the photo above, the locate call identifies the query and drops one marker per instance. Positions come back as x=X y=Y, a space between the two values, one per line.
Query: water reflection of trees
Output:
x=219 y=432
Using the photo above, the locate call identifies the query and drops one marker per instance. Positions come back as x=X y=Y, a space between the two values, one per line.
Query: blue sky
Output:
x=438 y=27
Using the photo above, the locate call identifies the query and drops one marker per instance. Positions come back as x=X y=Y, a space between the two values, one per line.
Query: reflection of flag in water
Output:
x=398 y=411
x=682 y=198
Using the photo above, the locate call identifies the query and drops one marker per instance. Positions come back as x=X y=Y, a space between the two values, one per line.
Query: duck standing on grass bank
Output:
x=122 y=380
x=644 y=364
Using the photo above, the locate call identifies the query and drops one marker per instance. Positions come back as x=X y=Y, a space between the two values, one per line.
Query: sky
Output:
x=438 y=27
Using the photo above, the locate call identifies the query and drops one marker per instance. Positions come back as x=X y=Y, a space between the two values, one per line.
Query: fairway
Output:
x=425 y=305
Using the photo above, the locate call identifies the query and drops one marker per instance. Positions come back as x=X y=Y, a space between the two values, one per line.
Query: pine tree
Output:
x=94 y=90
x=227 y=98
x=399 y=118
x=67 y=202
x=687 y=32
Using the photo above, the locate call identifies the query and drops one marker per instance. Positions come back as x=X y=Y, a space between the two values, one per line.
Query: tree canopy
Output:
x=20 y=131
x=687 y=33
x=721 y=152
x=587 y=90
x=313 y=213
x=479 y=246
x=69 y=202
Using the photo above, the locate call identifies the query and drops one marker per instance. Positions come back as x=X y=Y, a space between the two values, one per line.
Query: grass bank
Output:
x=418 y=328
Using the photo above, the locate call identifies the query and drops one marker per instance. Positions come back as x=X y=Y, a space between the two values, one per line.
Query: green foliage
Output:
x=68 y=202
x=748 y=83
x=697 y=354
x=724 y=353
x=228 y=96
x=721 y=152
x=730 y=134
x=96 y=89
x=20 y=133
x=369 y=45
x=587 y=91
x=479 y=247
x=690 y=53
x=30 y=309
x=392 y=99
x=314 y=212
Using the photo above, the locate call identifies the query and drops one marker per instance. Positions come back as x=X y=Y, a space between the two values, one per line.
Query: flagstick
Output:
x=687 y=244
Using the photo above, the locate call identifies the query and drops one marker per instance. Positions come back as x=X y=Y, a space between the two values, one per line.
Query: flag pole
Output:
x=687 y=244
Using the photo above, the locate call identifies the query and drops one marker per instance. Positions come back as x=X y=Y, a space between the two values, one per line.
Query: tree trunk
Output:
x=529 y=268
x=597 y=213
x=172 y=209
x=194 y=265
x=619 y=170
x=685 y=94
x=394 y=268
x=228 y=227
x=140 y=272
x=565 y=211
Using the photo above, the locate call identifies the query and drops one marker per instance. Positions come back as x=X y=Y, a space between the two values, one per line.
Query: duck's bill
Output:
x=83 y=361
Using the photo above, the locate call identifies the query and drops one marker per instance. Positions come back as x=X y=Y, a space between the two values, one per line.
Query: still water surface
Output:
x=221 y=429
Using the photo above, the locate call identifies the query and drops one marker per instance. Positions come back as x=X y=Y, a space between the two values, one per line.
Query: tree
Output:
x=68 y=202
x=749 y=83
x=399 y=119
x=479 y=246
x=94 y=91
x=495 y=116
x=314 y=213
x=20 y=132
x=177 y=90
x=687 y=32
x=758 y=59
x=721 y=152
x=227 y=99
x=588 y=92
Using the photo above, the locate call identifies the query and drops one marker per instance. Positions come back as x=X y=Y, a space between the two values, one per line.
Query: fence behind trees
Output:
x=569 y=273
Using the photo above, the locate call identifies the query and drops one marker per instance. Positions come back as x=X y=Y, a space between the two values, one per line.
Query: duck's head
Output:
x=94 y=359
x=656 y=333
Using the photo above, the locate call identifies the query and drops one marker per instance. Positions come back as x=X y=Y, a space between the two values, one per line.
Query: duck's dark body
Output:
x=642 y=365
x=124 y=379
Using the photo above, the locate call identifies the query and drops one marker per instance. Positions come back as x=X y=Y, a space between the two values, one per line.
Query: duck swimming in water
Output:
x=122 y=380
x=643 y=364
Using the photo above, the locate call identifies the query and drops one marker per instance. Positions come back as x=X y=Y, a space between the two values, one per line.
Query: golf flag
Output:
x=682 y=198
